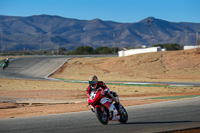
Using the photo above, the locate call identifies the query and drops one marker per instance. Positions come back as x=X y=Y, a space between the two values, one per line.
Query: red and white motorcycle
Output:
x=104 y=108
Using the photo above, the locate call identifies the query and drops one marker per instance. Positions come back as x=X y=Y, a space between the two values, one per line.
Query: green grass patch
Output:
x=141 y=85
x=119 y=83
x=175 y=97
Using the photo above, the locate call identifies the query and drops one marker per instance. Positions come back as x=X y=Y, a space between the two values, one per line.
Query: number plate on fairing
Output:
x=92 y=95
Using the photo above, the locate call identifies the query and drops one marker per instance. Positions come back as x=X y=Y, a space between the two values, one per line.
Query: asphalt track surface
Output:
x=37 y=67
x=32 y=67
x=150 y=118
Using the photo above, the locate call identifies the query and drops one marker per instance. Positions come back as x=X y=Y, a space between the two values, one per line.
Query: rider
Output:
x=6 y=61
x=94 y=84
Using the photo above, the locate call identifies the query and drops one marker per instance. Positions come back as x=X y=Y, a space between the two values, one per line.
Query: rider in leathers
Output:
x=6 y=61
x=95 y=84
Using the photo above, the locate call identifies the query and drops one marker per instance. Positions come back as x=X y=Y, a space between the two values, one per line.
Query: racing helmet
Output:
x=93 y=81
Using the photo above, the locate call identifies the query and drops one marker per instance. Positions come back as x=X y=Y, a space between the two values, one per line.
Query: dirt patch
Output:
x=196 y=130
x=7 y=105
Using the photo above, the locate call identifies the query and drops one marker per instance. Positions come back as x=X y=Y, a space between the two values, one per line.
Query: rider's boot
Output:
x=92 y=109
x=115 y=97
x=114 y=113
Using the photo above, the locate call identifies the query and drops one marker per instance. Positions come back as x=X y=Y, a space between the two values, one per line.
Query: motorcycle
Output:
x=4 y=66
x=102 y=112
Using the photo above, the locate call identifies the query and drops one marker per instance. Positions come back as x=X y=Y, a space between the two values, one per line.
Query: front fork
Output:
x=104 y=111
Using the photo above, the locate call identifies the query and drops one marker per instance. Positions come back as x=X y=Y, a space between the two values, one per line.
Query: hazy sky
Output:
x=114 y=10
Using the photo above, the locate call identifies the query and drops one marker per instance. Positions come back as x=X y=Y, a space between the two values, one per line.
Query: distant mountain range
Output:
x=46 y=32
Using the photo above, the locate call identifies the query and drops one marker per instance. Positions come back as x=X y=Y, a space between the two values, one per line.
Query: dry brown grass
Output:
x=63 y=90
x=159 y=66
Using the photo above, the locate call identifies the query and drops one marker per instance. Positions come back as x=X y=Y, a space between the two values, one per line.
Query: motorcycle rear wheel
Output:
x=101 y=117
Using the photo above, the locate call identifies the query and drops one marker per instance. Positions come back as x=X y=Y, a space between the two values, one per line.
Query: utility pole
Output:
x=84 y=38
x=114 y=42
x=197 y=41
x=84 y=30
x=185 y=30
x=1 y=50
x=107 y=39
x=1 y=41
x=149 y=22
x=40 y=41
x=58 y=49
x=197 y=37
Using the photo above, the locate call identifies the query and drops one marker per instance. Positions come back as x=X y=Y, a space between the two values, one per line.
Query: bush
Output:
x=169 y=46
x=83 y=50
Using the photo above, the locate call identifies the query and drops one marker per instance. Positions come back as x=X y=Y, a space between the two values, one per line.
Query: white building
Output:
x=190 y=47
x=139 y=51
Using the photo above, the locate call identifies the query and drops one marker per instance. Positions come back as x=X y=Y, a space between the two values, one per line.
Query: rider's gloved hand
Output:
x=105 y=93
x=90 y=101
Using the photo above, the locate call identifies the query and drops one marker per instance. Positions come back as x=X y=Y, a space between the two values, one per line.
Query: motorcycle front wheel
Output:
x=3 y=66
x=101 y=117
x=123 y=115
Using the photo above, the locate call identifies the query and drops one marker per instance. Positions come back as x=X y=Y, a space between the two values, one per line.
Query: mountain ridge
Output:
x=46 y=32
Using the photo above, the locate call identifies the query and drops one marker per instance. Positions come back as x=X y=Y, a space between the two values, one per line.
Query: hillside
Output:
x=159 y=66
x=45 y=32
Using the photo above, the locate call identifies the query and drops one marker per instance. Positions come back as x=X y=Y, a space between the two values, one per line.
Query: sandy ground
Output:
x=160 y=66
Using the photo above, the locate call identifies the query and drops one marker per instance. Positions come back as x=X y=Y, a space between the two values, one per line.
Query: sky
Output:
x=124 y=11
